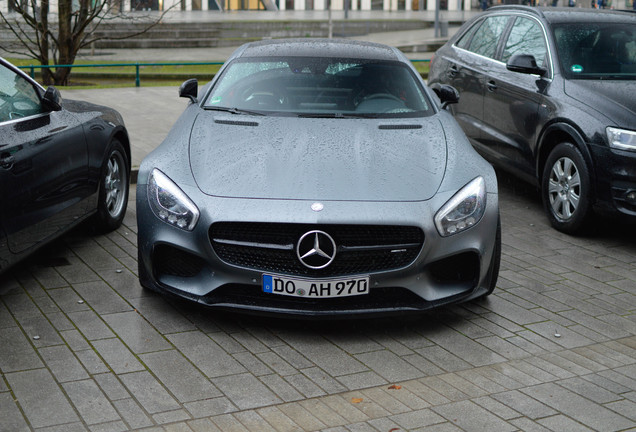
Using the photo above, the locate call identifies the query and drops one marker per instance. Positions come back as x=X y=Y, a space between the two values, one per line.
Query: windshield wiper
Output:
x=233 y=110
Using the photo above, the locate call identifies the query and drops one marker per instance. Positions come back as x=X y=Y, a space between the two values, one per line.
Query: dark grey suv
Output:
x=549 y=95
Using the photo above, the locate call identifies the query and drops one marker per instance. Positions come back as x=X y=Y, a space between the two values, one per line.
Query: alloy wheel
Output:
x=564 y=188
x=114 y=182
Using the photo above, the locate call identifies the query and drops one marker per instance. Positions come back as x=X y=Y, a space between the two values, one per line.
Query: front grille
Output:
x=270 y=247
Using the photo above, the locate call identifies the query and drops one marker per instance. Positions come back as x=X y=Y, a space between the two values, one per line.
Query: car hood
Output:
x=317 y=159
x=87 y=110
x=612 y=98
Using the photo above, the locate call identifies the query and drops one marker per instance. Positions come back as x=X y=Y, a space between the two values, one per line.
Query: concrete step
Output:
x=227 y=33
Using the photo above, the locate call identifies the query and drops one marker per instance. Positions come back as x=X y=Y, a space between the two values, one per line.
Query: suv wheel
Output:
x=565 y=189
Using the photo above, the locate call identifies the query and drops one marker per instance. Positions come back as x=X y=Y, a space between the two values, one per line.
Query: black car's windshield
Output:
x=597 y=50
x=320 y=87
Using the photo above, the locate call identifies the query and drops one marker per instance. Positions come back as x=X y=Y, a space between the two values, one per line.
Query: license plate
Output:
x=326 y=288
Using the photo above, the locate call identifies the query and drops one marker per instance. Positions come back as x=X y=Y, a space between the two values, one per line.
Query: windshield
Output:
x=597 y=50
x=320 y=87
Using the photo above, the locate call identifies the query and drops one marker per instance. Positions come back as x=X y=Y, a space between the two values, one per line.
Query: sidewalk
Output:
x=85 y=349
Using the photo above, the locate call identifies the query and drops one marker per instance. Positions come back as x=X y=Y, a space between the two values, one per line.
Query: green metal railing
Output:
x=137 y=66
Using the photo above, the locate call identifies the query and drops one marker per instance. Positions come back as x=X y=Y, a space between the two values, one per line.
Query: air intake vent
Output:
x=400 y=126
x=236 y=122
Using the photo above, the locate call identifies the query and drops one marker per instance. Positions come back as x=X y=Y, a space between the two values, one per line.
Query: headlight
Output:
x=169 y=203
x=463 y=210
x=621 y=139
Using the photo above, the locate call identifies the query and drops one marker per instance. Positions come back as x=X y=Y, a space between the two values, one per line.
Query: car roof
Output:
x=334 y=48
x=555 y=15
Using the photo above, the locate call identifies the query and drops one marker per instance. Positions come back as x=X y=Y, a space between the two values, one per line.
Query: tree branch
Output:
x=73 y=29
x=131 y=35
x=22 y=38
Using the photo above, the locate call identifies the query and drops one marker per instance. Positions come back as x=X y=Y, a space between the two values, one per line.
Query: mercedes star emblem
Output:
x=316 y=249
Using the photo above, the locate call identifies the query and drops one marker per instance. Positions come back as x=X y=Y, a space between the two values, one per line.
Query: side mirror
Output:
x=52 y=99
x=447 y=94
x=189 y=89
x=525 y=64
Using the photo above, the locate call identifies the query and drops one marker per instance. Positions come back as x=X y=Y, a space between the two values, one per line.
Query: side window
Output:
x=526 y=37
x=18 y=97
x=466 y=37
x=486 y=38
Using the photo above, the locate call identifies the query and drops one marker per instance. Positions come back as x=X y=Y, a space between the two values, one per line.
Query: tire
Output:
x=566 y=189
x=114 y=186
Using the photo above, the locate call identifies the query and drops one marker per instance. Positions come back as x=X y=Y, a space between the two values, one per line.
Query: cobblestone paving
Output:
x=84 y=347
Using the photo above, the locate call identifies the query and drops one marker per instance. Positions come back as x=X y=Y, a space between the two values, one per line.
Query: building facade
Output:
x=7 y=6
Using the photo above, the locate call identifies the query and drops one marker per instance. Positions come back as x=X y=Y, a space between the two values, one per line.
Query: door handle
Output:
x=492 y=86
x=6 y=161
x=453 y=70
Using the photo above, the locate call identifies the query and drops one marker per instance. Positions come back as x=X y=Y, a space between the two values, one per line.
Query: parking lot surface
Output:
x=84 y=348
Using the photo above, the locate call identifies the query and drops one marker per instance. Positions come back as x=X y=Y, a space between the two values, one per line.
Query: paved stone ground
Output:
x=84 y=347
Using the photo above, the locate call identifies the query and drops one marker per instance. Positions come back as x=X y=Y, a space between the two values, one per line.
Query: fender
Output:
x=563 y=129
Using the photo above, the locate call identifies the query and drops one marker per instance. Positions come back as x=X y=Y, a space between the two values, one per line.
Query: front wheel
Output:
x=565 y=189
x=113 y=189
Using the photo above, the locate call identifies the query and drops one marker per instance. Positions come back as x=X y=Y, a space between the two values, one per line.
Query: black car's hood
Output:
x=87 y=110
x=613 y=99
x=321 y=159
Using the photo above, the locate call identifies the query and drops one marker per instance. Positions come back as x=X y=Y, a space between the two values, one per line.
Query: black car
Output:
x=60 y=163
x=548 y=94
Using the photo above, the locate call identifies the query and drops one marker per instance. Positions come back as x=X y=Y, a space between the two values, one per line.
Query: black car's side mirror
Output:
x=52 y=99
x=189 y=89
x=447 y=94
x=526 y=64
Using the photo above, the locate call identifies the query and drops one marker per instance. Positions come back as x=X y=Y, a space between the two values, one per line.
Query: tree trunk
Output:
x=43 y=29
x=66 y=44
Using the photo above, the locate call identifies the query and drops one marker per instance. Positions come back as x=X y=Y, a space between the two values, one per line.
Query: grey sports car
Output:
x=318 y=178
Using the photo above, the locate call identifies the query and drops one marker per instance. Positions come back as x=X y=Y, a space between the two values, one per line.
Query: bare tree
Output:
x=45 y=35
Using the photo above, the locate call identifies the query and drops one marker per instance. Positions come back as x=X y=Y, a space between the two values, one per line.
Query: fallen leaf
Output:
x=356 y=400
x=394 y=430
x=395 y=387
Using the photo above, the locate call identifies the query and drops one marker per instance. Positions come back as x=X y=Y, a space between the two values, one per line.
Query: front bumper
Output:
x=616 y=180
x=444 y=270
